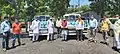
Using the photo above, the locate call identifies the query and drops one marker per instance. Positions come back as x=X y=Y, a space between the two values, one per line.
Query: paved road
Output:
x=57 y=47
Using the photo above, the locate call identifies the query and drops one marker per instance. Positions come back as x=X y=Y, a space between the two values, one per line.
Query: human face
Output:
x=7 y=20
x=104 y=17
x=16 y=21
x=92 y=18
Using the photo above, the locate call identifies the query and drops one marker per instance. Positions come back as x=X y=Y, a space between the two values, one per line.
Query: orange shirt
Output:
x=16 y=28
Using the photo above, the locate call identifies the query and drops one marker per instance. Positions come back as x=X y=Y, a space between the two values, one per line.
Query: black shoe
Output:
x=63 y=40
x=114 y=47
x=33 y=42
x=107 y=43
x=118 y=50
x=13 y=47
x=19 y=43
x=7 y=48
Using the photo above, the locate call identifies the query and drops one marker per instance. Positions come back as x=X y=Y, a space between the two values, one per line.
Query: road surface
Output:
x=58 y=47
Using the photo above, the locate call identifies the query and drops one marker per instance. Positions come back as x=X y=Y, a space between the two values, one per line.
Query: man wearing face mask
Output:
x=16 y=27
x=58 y=24
x=64 y=26
x=35 y=27
x=92 y=28
x=117 y=34
x=105 y=28
x=5 y=28
x=50 y=29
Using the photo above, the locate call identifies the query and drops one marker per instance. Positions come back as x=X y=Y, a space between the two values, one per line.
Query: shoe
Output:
x=63 y=40
x=4 y=50
x=118 y=50
x=13 y=46
x=95 y=41
x=107 y=43
x=33 y=42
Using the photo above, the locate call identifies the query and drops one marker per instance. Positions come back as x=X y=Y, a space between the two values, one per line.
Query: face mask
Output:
x=58 y=19
x=50 y=19
x=7 y=20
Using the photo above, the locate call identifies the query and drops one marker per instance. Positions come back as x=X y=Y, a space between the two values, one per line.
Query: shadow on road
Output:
x=16 y=46
x=74 y=37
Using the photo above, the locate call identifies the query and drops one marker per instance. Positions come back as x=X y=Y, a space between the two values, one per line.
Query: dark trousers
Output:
x=16 y=36
x=80 y=35
x=92 y=33
x=58 y=32
x=5 y=40
x=105 y=36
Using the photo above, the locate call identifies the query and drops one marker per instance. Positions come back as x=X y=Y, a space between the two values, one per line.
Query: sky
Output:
x=82 y=2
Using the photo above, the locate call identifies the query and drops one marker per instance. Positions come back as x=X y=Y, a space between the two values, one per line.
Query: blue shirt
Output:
x=5 y=27
x=93 y=23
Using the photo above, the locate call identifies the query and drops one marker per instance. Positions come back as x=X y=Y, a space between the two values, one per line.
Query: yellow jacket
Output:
x=105 y=25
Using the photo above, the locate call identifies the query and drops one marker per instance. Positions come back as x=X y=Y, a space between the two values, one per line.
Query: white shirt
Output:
x=50 y=26
x=117 y=26
x=79 y=25
x=35 y=26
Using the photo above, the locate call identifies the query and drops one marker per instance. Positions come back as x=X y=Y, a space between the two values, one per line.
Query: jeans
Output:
x=50 y=36
x=35 y=37
x=105 y=36
x=64 y=34
x=16 y=36
x=58 y=32
x=5 y=40
x=92 y=33
x=80 y=35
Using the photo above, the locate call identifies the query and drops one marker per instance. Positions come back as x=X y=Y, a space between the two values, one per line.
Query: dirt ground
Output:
x=58 y=47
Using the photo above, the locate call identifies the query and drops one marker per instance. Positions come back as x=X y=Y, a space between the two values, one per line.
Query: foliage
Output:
x=27 y=9
x=102 y=6
x=82 y=8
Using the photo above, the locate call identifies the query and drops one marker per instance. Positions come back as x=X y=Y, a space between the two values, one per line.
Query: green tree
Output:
x=111 y=7
x=59 y=7
x=84 y=8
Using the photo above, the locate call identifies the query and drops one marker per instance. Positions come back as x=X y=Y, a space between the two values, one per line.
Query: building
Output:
x=88 y=14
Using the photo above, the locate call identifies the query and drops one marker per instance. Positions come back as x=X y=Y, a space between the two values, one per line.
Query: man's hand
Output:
x=4 y=34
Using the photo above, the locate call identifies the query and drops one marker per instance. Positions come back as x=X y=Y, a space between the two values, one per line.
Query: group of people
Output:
x=62 y=30
x=6 y=32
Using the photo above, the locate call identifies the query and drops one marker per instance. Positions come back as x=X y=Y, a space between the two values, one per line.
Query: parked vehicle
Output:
x=112 y=21
x=71 y=18
x=43 y=25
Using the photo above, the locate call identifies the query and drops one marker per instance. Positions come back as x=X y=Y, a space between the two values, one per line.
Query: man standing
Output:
x=92 y=28
x=105 y=29
x=16 y=27
x=5 y=28
x=64 y=29
x=58 y=23
x=35 y=27
x=117 y=33
x=50 y=29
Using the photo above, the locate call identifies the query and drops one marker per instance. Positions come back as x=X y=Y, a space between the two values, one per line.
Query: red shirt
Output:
x=16 y=28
